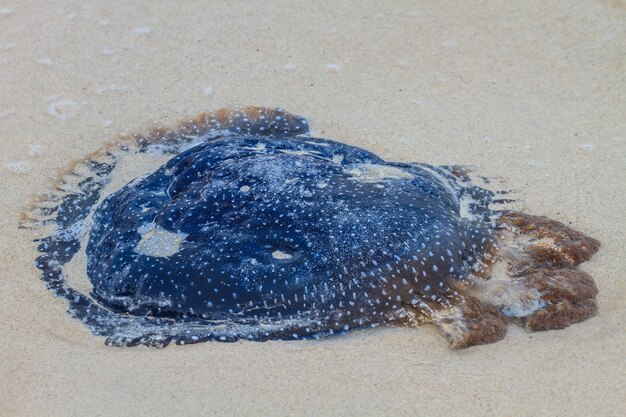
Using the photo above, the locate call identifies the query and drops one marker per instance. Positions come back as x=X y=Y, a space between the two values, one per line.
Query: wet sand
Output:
x=533 y=94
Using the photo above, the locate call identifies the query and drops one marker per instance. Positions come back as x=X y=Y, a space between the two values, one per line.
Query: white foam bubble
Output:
x=8 y=112
x=108 y=88
x=207 y=91
x=35 y=151
x=62 y=109
x=73 y=232
x=18 y=167
x=449 y=44
x=143 y=31
x=44 y=61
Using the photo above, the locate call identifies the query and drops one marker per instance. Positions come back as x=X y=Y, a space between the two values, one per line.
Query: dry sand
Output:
x=533 y=93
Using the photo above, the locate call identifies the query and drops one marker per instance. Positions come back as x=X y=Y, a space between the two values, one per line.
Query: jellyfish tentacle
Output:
x=569 y=296
x=537 y=242
x=546 y=290
x=468 y=323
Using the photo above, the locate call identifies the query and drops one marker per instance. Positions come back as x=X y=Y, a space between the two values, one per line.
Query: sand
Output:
x=531 y=93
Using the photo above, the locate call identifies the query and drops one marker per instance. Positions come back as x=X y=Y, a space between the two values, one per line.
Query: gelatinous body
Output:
x=255 y=230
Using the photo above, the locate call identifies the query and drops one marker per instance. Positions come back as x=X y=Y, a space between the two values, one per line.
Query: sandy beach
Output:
x=530 y=93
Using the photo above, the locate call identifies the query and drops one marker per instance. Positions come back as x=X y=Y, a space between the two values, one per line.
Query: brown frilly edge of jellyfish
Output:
x=257 y=230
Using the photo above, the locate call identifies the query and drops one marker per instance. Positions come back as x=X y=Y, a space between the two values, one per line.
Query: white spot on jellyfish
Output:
x=143 y=31
x=207 y=91
x=278 y=254
x=376 y=173
x=158 y=242
x=244 y=189
x=337 y=159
